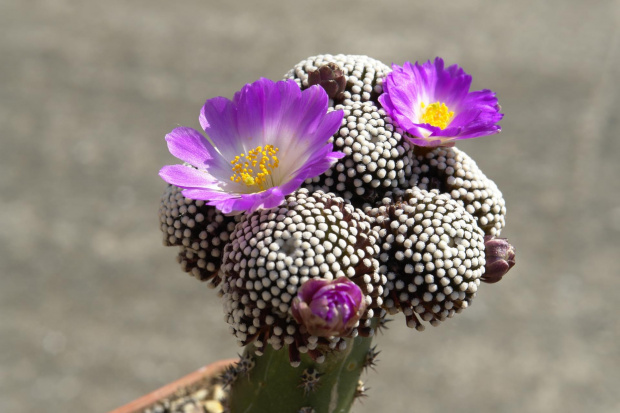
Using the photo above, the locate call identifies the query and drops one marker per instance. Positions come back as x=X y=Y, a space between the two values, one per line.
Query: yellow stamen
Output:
x=436 y=114
x=245 y=166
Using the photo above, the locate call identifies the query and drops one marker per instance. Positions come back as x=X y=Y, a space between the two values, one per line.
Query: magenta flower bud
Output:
x=328 y=308
x=331 y=78
x=500 y=257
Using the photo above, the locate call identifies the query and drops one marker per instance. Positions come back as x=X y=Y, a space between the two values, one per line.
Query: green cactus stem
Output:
x=273 y=385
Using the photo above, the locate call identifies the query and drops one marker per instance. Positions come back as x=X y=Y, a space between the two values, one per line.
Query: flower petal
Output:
x=250 y=102
x=320 y=162
x=189 y=145
x=301 y=115
x=186 y=177
x=312 y=107
x=329 y=125
x=221 y=126
x=452 y=87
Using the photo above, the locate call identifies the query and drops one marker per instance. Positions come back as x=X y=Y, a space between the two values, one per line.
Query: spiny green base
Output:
x=272 y=385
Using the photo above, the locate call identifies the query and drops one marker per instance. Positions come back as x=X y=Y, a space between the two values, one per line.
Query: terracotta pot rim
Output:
x=145 y=401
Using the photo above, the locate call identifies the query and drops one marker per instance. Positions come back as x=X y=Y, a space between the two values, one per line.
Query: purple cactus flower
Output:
x=328 y=308
x=261 y=146
x=500 y=258
x=434 y=105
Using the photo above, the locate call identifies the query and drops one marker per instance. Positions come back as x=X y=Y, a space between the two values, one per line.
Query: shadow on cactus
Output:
x=320 y=204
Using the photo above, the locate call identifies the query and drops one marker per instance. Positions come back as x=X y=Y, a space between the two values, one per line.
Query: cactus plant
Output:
x=324 y=202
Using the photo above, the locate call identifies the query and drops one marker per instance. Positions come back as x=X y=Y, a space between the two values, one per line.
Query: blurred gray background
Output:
x=95 y=312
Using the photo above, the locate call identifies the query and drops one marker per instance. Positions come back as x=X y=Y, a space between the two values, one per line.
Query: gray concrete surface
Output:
x=94 y=311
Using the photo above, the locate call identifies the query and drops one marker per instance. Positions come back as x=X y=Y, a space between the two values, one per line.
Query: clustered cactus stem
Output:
x=322 y=203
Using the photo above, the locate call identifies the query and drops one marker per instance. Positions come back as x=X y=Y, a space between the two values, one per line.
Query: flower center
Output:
x=436 y=114
x=255 y=167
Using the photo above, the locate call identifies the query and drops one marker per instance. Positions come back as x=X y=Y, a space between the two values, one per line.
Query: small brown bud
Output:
x=331 y=78
x=500 y=257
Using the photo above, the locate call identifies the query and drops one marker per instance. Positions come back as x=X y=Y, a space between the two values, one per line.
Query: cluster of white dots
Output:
x=364 y=75
x=273 y=252
x=452 y=171
x=377 y=159
x=432 y=252
x=200 y=231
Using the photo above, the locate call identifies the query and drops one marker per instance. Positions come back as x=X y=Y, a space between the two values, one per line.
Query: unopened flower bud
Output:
x=500 y=257
x=328 y=308
x=331 y=78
